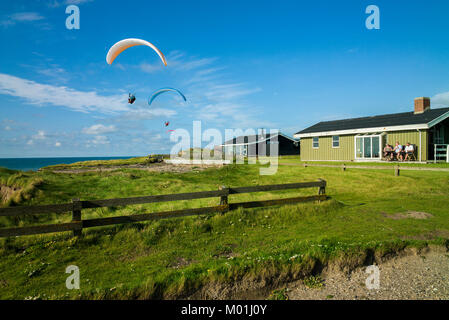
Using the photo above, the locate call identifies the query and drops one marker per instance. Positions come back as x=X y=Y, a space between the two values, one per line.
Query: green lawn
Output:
x=297 y=160
x=175 y=256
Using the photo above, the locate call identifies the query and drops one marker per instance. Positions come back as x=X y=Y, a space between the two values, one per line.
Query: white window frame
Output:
x=363 y=146
x=318 y=142
x=336 y=147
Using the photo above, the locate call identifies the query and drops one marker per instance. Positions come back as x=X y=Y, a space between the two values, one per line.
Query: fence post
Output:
x=322 y=190
x=396 y=171
x=224 y=199
x=76 y=215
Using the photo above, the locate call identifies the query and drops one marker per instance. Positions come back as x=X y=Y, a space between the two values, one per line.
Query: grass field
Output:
x=169 y=258
x=297 y=160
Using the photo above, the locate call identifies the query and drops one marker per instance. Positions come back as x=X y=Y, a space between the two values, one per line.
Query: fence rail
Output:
x=76 y=207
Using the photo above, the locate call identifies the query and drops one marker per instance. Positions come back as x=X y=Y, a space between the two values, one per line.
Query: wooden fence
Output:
x=76 y=206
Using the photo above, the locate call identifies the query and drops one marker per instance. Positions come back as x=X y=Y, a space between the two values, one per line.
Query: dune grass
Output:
x=25 y=186
x=169 y=258
x=104 y=163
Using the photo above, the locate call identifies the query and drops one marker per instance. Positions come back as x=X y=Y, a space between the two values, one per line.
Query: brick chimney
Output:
x=422 y=104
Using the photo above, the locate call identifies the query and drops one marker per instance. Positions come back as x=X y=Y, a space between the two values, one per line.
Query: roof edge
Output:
x=258 y=141
x=439 y=119
x=363 y=130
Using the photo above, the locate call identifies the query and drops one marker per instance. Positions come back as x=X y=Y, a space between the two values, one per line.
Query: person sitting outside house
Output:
x=388 y=152
x=409 y=150
x=398 y=150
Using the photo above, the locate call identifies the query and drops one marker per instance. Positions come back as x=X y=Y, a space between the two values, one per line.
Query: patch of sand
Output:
x=154 y=167
x=7 y=193
x=408 y=215
x=422 y=276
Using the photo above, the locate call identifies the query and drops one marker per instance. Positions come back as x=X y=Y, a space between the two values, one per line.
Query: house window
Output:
x=315 y=143
x=335 y=141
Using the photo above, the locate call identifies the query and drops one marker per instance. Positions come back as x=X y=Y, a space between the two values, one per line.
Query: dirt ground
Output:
x=423 y=276
x=154 y=167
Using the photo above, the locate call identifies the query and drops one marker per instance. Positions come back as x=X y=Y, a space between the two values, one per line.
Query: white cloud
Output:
x=210 y=95
x=56 y=3
x=441 y=99
x=40 y=135
x=44 y=94
x=54 y=72
x=177 y=61
x=228 y=91
x=149 y=68
x=7 y=128
x=99 y=129
x=194 y=64
x=147 y=114
x=26 y=16
x=77 y=1
x=99 y=140
x=21 y=17
x=204 y=75
x=224 y=103
x=232 y=114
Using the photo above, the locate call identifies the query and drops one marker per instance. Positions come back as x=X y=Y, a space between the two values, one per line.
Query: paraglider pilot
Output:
x=131 y=98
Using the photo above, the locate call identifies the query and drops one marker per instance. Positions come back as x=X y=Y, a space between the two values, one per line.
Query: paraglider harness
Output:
x=131 y=98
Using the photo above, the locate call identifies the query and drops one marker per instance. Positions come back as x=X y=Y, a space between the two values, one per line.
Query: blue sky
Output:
x=241 y=64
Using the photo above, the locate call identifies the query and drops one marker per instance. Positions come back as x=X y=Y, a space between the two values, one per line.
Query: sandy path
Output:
x=424 y=276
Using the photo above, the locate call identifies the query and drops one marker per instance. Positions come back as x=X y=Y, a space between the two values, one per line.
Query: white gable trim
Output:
x=435 y=121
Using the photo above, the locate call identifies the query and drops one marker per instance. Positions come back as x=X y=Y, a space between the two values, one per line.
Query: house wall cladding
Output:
x=287 y=147
x=411 y=136
x=346 y=150
x=326 y=151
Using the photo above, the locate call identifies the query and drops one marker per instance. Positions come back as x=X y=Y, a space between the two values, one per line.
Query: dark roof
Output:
x=386 y=120
x=251 y=138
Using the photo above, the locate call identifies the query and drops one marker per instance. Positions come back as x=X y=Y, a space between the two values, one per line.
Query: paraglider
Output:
x=162 y=90
x=167 y=123
x=122 y=45
x=131 y=98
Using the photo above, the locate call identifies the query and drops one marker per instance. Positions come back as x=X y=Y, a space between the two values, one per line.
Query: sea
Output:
x=34 y=164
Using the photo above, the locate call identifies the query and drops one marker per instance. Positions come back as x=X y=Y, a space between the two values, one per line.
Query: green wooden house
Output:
x=363 y=139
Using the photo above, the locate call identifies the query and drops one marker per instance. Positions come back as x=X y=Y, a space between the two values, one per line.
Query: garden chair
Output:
x=412 y=157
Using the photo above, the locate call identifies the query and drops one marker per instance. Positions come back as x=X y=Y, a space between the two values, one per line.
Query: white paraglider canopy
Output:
x=122 y=45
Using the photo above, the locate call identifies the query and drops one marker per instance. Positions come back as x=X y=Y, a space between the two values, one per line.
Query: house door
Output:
x=368 y=147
